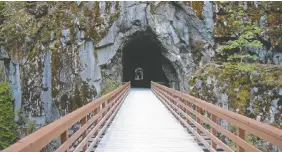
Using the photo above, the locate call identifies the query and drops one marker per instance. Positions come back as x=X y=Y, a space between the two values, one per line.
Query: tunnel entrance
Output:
x=142 y=61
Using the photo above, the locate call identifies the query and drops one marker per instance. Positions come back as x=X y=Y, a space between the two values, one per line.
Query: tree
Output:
x=247 y=33
x=7 y=123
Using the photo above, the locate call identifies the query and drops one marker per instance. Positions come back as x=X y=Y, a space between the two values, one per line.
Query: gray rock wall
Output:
x=256 y=94
x=174 y=29
x=54 y=79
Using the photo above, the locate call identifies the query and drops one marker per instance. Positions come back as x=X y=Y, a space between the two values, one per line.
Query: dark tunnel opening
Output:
x=142 y=61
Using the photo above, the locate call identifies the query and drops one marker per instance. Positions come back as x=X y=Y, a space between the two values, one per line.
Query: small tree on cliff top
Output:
x=246 y=36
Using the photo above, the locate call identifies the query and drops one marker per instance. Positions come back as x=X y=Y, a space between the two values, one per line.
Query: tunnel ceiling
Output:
x=143 y=61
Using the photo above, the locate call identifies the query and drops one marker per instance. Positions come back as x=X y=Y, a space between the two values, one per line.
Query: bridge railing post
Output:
x=83 y=121
x=213 y=118
x=240 y=133
x=112 y=102
x=199 y=111
x=174 y=102
x=103 y=106
x=64 y=137
x=180 y=100
x=96 y=111
x=187 y=103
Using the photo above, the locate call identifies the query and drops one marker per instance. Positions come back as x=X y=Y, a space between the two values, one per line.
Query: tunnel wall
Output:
x=177 y=32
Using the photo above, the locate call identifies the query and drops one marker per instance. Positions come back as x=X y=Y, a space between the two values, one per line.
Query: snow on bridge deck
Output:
x=143 y=124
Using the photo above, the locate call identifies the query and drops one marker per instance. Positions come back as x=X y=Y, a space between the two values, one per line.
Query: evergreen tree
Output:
x=247 y=33
x=7 y=123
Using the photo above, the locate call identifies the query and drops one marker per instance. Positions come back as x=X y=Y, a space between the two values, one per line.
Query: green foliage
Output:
x=13 y=26
x=109 y=85
x=30 y=126
x=241 y=57
x=246 y=34
x=2 y=6
x=238 y=84
x=245 y=40
x=96 y=54
x=19 y=26
x=2 y=74
x=97 y=12
x=153 y=7
x=199 y=46
x=227 y=21
x=254 y=140
x=116 y=14
x=198 y=8
x=24 y=126
x=7 y=123
x=108 y=7
x=241 y=66
x=177 y=32
x=246 y=37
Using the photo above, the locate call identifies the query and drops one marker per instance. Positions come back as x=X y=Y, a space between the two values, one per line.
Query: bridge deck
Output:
x=144 y=124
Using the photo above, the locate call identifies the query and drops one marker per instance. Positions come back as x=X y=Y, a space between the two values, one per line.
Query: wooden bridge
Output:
x=143 y=120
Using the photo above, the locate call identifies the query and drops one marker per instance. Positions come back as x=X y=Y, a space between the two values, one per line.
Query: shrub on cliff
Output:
x=109 y=85
x=7 y=123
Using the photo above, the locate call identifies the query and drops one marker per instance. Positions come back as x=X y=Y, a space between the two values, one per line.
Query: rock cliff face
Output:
x=267 y=15
x=57 y=56
x=257 y=93
x=60 y=64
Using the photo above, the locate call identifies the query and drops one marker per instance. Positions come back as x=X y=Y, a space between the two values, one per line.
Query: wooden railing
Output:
x=185 y=107
x=93 y=117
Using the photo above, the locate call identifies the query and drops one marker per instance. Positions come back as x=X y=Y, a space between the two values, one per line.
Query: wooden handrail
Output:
x=181 y=103
x=102 y=109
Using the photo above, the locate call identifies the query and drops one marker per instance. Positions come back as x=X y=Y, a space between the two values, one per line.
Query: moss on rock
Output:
x=252 y=92
x=198 y=6
x=225 y=18
x=109 y=85
x=256 y=93
x=153 y=7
